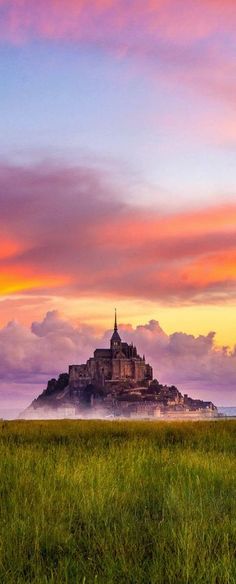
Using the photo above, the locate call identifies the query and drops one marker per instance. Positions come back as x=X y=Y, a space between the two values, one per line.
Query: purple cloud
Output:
x=30 y=356
x=69 y=231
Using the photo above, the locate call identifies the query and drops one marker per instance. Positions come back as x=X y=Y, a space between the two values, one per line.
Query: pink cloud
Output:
x=78 y=19
x=76 y=235
x=183 y=43
x=213 y=126
x=29 y=356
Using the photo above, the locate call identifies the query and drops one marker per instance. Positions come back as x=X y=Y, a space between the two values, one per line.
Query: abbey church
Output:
x=115 y=382
x=118 y=363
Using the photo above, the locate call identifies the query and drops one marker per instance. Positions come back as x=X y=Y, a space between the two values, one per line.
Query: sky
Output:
x=117 y=188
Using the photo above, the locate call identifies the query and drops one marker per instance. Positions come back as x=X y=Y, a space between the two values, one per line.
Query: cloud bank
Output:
x=30 y=356
x=69 y=231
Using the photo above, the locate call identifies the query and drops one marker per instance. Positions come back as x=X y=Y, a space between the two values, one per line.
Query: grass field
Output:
x=118 y=502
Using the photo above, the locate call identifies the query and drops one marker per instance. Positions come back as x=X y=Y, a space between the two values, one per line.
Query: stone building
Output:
x=115 y=382
x=117 y=364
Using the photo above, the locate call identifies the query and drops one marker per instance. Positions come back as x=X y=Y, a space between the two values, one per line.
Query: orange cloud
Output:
x=18 y=279
x=9 y=247
x=215 y=268
x=79 y=237
x=158 y=228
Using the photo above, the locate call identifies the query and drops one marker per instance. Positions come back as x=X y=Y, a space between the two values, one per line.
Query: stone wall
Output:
x=100 y=370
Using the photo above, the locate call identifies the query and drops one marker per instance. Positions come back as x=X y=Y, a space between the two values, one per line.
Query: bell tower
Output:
x=115 y=339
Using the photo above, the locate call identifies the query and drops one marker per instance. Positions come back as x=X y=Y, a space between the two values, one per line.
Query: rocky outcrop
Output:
x=117 y=399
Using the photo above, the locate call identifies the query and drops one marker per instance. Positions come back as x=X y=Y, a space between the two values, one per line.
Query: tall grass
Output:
x=117 y=502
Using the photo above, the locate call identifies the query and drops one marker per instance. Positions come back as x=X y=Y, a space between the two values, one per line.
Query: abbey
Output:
x=119 y=363
x=115 y=382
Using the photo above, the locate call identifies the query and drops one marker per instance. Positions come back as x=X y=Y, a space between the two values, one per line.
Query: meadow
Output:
x=118 y=502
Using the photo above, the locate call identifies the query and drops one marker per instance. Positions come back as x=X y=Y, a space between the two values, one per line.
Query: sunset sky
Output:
x=118 y=188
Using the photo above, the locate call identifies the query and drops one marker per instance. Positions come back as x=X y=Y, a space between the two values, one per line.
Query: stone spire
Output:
x=115 y=324
x=115 y=339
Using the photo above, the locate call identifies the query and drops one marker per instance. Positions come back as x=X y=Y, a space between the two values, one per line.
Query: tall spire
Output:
x=115 y=339
x=115 y=324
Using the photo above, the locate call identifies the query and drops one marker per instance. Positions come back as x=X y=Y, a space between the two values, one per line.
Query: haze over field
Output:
x=117 y=188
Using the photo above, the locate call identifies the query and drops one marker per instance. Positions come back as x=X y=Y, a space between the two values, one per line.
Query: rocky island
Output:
x=115 y=382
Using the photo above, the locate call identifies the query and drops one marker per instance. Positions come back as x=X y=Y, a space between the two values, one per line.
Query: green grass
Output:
x=118 y=502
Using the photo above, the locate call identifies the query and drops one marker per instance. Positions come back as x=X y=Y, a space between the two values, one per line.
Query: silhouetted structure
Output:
x=119 y=363
x=115 y=382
